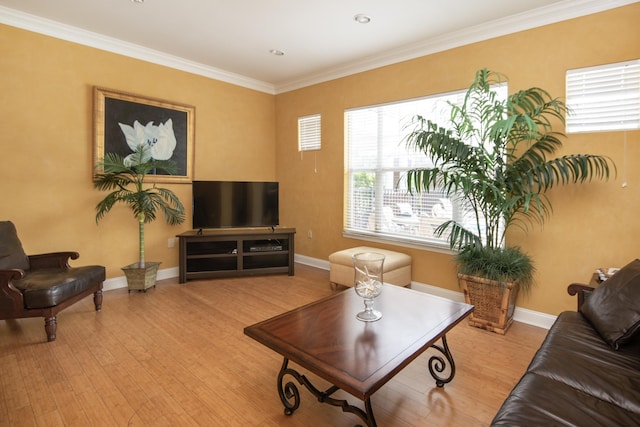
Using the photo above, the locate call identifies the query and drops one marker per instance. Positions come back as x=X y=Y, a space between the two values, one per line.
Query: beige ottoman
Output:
x=396 y=268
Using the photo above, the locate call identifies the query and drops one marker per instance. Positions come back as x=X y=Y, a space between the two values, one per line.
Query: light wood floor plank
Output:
x=177 y=356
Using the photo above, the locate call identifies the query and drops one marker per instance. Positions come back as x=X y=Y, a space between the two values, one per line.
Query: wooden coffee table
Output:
x=325 y=338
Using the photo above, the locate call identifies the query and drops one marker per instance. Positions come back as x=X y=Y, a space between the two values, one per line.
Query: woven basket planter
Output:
x=494 y=302
x=141 y=279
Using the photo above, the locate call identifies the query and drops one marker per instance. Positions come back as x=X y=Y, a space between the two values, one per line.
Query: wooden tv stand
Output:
x=229 y=252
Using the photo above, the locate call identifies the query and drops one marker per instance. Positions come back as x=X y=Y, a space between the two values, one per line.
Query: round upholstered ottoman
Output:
x=397 y=266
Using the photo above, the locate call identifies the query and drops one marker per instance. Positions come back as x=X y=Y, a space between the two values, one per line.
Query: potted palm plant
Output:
x=495 y=159
x=124 y=178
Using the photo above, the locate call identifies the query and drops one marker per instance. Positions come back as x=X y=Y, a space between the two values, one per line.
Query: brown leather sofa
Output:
x=587 y=371
x=42 y=285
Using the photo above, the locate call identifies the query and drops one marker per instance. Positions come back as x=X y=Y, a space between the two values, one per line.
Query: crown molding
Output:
x=58 y=30
x=562 y=11
x=556 y=12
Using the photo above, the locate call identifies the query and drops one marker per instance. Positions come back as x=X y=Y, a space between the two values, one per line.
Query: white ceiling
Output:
x=231 y=39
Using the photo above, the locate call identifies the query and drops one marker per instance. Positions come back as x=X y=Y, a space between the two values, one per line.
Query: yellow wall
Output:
x=46 y=142
x=592 y=225
x=46 y=145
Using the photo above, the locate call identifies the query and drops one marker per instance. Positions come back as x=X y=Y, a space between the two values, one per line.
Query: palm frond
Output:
x=498 y=158
x=124 y=178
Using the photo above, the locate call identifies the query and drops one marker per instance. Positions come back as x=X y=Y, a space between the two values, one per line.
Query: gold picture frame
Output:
x=120 y=118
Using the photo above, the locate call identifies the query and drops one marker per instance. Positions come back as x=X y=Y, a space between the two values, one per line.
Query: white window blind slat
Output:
x=604 y=98
x=309 y=133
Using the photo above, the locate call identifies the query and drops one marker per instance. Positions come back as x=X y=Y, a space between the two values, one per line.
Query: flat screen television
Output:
x=228 y=204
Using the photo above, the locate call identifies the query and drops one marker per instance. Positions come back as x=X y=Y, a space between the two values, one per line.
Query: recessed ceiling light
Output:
x=361 y=18
x=138 y=1
x=276 y=52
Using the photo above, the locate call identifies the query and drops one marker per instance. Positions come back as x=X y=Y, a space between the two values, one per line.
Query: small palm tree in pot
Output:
x=494 y=158
x=124 y=178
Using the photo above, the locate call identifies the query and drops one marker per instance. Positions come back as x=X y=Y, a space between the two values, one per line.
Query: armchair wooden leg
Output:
x=50 y=326
x=97 y=300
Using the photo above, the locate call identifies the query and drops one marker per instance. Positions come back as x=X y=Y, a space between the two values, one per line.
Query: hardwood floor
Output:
x=177 y=355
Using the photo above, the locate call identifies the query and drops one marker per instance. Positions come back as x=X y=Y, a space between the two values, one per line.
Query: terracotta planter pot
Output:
x=494 y=302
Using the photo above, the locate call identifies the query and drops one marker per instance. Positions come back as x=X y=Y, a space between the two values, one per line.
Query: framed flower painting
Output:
x=123 y=122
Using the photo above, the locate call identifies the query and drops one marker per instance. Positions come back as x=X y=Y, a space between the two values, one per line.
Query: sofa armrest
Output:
x=52 y=260
x=11 y=299
x=583 y=291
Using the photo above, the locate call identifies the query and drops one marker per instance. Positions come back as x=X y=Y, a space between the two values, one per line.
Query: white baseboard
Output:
x=313 y=262
x=535 y=318
x=523 y=315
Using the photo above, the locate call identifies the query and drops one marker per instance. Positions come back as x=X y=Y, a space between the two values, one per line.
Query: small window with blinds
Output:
x=604 y=98
x=309 y=133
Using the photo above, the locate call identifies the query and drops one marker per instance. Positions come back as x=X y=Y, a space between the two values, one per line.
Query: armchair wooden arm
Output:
x=582 y=290
x=11 y=299
x=52 y=260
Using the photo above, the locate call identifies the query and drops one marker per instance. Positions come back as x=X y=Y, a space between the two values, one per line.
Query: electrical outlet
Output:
x=310 y=234
x=171 y=242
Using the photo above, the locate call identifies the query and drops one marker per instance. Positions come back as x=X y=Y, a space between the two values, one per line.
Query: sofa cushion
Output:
x=576 y=379
x=573 y=351
x=613 y=308
x=541 y=401
x=49 y=287
x=11 y=253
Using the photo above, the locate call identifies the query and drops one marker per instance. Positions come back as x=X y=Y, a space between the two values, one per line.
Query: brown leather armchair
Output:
x=42 y=285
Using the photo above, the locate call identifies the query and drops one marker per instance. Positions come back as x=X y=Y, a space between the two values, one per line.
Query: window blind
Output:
x=604 y=98
x=309 y=137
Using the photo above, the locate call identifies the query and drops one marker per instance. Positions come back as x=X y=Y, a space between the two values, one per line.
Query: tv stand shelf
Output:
x=229 y=252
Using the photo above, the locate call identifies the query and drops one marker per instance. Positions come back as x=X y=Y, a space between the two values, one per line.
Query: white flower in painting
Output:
x=165 y=142
x=160 y=140
x=138 y=134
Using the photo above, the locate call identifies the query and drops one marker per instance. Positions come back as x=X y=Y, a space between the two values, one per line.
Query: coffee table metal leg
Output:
x=371 y=422
x=290 y=396
x=438 y=364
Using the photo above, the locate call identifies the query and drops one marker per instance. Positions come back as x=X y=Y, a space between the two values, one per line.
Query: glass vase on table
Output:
x=368 y=282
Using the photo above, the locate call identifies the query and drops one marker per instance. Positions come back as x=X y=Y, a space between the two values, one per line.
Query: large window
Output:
x=378 y=204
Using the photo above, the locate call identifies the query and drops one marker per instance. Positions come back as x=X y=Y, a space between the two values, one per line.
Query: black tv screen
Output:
x=226 y=204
